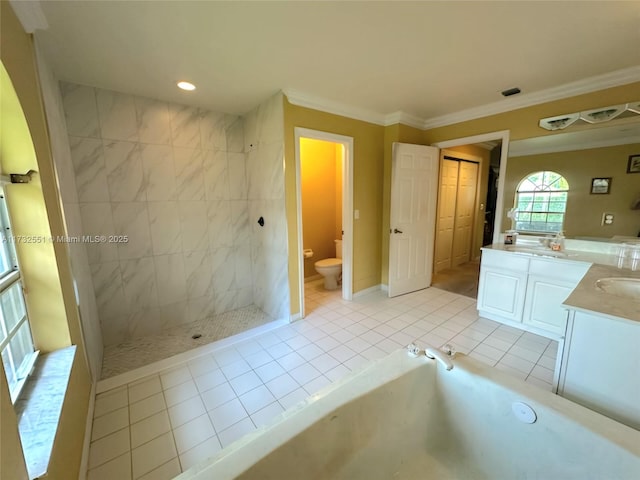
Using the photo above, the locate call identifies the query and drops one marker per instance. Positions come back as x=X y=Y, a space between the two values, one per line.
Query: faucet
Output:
x=433 y=353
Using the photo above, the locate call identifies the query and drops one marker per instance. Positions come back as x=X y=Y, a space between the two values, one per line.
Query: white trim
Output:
x=138 y=373
x=502 y=135
x=586 y=85
x=30 y=14
x=574 y=147
x=88 y=431
x=295 y=317
x=367 y=291
x=330 y=106
x=384 y=287
x=347 y=208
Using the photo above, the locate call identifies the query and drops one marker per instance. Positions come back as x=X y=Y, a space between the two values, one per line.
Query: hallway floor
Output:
x=142 y=351
x=163 y=424
x=462 y=279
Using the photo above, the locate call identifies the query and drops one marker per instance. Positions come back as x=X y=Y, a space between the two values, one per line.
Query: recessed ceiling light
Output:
x=186 y=86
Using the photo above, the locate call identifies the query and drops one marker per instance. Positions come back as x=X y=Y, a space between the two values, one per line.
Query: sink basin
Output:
x=620 y=286
x=545 y=252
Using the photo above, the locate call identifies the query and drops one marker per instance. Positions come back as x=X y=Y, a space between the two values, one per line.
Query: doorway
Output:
x=468 y=206
x=324 y=193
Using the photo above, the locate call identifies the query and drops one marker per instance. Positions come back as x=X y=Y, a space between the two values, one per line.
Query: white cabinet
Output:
x=527 y=292
x=600 y=365
x=502 y=286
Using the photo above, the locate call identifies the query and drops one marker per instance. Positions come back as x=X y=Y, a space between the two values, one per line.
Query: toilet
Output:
x=331 y=268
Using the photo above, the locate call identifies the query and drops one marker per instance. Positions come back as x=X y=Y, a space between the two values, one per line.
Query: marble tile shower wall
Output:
x=264 y=144
x=171 y=178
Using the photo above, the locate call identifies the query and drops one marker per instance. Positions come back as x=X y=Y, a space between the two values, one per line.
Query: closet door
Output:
x=464 y=214
x=446 y=214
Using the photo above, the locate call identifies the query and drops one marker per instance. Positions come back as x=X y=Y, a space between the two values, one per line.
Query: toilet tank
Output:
x=338 y=248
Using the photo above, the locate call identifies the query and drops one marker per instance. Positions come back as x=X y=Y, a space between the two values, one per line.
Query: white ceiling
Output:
x=427 y=59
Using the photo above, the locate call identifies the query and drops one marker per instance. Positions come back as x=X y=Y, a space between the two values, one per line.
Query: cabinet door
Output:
x=501 y=294
x=543 y=305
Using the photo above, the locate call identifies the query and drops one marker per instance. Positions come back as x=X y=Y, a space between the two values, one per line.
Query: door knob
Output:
x=395 y=230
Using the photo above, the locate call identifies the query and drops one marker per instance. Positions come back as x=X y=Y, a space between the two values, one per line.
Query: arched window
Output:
x=541 y=201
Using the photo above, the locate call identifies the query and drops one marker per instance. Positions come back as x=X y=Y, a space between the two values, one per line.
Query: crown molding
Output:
x=302 y=99
x=30 y=14
x=587 y=85
x=514 y=151
x=403 y=118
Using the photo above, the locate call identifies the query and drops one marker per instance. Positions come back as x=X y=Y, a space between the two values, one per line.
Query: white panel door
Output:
x=446 y=213
x=465 y=213
x=414 y=189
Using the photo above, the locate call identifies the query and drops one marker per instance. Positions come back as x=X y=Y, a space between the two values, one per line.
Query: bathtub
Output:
x=407 y=417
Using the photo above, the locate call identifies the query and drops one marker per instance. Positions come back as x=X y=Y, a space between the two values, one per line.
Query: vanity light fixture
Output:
x=597 y=115
x=186 y=85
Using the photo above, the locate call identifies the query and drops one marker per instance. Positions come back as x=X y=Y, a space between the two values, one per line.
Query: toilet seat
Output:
x=329 y=262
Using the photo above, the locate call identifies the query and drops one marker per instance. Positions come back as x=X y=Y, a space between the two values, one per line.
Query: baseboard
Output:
x=138 y=373
x=295 y=316
x=367 y=291
x=384 y=288
x=88 y=431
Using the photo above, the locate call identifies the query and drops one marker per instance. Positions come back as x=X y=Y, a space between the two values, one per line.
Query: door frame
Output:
x=502 y=135
x=347 y=208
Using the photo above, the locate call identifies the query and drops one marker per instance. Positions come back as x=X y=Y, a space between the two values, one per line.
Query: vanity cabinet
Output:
x=600 y=365
x=526 y=291
x=502 y=286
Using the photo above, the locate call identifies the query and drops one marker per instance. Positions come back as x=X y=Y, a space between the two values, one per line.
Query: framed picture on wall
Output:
x=600 y=185
x=634 y=164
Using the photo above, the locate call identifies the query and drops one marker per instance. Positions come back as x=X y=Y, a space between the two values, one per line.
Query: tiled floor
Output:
x=163 y=424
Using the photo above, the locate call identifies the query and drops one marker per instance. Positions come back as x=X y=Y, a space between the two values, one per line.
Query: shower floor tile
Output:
x=210 y=401
x=138 y=352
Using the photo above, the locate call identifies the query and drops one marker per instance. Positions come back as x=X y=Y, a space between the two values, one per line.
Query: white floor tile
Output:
x=209 y=380
x=486 y=360
x=259 y=358
x=489 y=351
x=337 y=373
x=291 y=361
x=266 y=415
x=327 y=343
x=217 y=396
x=542 y=373
x=183 y=412
x=267 y=340
x=147 y=407
x=235 y=369
x=144 y=388
x=279 y=350
x=356 y=363
x=152 y=455
x=293 y=398
x=324 y=362
x=200 y=452
x=180 y=393
x=305 y=373
x=110 y=423
x=245 y=382
x=227 y=356
x=233 y=433
x=192 y=433
x=497 y=343
x=522 y=352
x=109 y=401
x=547 y=362
x=282 y=385
x=316 y=385
x=342 y=353
x=227 y=414
x=202 y=365
x=119 y=467
x=310 y=351
x=373 y=353
x=149 y=428
x=269 y=371
x=248 y=347
x=109 y=447
x=168 y=471
x=387 y=345
x=518 y=363
x=257 y=399
x=173 y=377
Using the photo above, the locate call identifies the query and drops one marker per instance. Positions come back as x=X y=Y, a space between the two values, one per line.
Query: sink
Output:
x=545 y=252
x=620 y=286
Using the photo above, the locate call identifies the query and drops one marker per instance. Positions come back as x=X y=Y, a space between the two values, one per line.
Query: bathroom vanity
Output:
x=583 y=300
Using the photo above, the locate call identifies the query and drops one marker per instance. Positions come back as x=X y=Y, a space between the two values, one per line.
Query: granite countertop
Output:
x=589 y=298
x=586 y=297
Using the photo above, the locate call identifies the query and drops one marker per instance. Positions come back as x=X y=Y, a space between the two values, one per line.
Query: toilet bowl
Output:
x=331 y=268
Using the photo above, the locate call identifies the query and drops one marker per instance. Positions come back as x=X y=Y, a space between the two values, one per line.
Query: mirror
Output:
x=583 y=156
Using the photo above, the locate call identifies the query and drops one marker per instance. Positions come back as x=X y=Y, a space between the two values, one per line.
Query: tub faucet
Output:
x=440 y=356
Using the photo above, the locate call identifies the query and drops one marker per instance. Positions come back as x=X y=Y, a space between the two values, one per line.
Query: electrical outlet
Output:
x=607 y=219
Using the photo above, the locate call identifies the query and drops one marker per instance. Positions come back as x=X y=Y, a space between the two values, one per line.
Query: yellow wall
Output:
x=584 y=211
x=319 y=200
x=367 y=191
x=54 y=280
x=339 y=159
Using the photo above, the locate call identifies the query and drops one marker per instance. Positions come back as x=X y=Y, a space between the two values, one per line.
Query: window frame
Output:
x=11 y=278
x=540 y=188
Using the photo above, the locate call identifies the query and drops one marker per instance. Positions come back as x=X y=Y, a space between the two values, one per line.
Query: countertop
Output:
x=586 y=297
